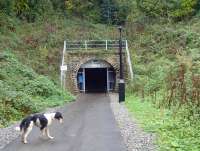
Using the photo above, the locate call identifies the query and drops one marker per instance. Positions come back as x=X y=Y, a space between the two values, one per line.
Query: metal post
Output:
x=85 y=45
x=106 y=44
x=129 y=61
x=62 y=63
x=121 y=78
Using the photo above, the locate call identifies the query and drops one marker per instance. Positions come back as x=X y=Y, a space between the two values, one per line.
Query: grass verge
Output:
x=175 y=132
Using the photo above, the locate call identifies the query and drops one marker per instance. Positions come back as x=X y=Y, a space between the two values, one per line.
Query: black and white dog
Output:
x=43 y=121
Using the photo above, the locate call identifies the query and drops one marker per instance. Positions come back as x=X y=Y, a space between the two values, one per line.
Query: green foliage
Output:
x=59 y=5
x=173 y=9
x=104 y=11
x=167 y=76
x=184 y=8
x=175 y=131
x=33 y=9
x=23 y=91
x=7 y=6
x=152 y=8
x=7 y=23
x=21 y=6
x=40 y=86
x=38 y=44
x=166 y=63
x=78 y=7
x=114 y=11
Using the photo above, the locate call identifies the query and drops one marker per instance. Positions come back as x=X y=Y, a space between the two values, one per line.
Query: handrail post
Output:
x=63 y=60
x=129 y=60
x=106 y=44
x=85 y=44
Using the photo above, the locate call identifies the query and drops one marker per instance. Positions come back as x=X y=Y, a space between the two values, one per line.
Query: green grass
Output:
x=174 y=131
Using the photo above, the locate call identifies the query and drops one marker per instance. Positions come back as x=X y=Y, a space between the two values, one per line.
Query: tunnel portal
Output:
x=96 y=76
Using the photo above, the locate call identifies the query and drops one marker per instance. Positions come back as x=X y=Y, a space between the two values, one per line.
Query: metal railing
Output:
x=94 y=45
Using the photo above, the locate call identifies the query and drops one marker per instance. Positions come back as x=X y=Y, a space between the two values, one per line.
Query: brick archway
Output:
x=85 y=60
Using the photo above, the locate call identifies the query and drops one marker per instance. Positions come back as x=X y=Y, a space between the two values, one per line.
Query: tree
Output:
x=114 y=11
x=107 y=11
x=33 y=9
x=124 y=7
x=79 y=7
x=175 y=9
x=59 y=6
x=184 y=8
x=7 y=6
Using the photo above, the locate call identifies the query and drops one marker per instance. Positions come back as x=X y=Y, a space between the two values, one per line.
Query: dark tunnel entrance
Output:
x=96 y=76
x=96 y=79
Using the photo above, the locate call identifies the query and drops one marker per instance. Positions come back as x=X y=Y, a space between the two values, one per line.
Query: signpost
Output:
x=63 y=68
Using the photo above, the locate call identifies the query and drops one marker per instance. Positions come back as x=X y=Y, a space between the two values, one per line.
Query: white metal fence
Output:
x=94 y=45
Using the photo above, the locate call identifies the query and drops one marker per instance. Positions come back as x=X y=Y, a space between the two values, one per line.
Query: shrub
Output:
x=7 y=23
x=175 y=9
x=24 y=92
x=32 y=10
x=7 y=6
x=41 y=86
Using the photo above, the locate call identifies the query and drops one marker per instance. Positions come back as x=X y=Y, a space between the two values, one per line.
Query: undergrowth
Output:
x=39 y=45
x=174 y=130
x=166 y=63
x=22 y=91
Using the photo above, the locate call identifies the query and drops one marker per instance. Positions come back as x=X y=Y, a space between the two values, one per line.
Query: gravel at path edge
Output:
x=134 y=137
x=7 y=135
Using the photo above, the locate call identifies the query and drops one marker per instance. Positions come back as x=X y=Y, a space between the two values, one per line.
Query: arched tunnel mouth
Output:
x=96 y=76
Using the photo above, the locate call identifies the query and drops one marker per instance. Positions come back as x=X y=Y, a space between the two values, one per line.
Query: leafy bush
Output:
x=24 y=92
x=7 y=23
x=185 y=8
x=40 y=86
x=32 y=10
x=7 y=6
x=175 y=9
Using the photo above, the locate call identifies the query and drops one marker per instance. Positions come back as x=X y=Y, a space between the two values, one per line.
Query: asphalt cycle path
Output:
x=89 y=125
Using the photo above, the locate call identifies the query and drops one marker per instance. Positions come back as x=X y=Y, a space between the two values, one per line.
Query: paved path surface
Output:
x=89 y=125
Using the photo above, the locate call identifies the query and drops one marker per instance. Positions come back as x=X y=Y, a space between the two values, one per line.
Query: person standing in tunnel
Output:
x=80 y=81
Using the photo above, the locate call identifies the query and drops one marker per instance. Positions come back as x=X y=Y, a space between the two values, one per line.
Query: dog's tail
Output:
x=17 y=128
